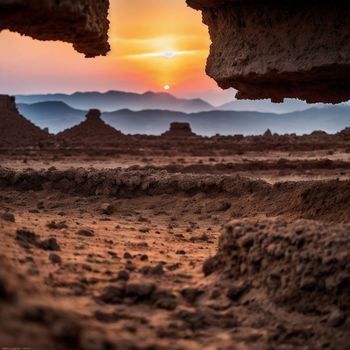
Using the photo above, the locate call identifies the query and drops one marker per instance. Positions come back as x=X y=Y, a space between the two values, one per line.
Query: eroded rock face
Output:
x=83 y=23
x=15 y=130
x=270 y=49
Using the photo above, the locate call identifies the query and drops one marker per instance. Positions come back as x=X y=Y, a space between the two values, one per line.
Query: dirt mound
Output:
x=294 y=276
x=93 y=130
x=254 y=165
x=15 y=130
x=301 y=265
x=124 y=182
x=318 y=200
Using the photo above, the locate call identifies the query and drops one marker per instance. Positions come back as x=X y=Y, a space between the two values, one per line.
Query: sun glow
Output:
x=150 y=47
x=166 y=87
x=169 y=54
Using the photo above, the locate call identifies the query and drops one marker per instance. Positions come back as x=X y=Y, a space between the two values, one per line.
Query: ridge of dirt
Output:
x=319 y=200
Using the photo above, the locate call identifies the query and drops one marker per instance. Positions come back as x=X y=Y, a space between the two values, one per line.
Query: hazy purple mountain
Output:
x=266 y=106
x=57 y=116
x=115 y=100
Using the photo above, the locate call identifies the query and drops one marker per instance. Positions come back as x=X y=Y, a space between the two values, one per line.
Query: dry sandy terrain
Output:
x=130 y=258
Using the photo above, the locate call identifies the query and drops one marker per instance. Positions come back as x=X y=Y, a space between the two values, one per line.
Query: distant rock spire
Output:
x=93 y=114
x=268 y=133
x=179 y=130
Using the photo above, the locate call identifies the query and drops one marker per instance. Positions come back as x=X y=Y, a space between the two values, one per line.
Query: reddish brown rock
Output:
x=83 y=23
x=279 y=49
x=91 y=131
x=179 y=130
x=15 y=130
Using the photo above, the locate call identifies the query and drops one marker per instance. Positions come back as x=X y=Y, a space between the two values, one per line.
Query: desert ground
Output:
x=241 y=251
x=112 y=241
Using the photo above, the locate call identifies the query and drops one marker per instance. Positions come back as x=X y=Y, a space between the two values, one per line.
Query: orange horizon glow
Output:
x=154 y=43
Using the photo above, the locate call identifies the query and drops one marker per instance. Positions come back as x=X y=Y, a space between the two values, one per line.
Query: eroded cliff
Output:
x=271 y=49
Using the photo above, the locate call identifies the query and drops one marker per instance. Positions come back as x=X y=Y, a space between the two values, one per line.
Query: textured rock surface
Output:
x=83 y=23
x=302 y=265
x=15 y=129
x=279 y=49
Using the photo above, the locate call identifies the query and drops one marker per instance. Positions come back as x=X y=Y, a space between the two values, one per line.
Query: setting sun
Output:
x=143 y=57
x=167 y=87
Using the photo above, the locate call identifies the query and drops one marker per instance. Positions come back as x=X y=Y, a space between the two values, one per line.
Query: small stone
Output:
x=8 y=217
x=180 y=252
x=26 y=238
x=336 y=318
x=55 y=259
x=164 y=299
x=53 y=225
x=112 y=295
x=107 y=209
x=49 y=244
x=140 y=291
x=127 y=255
x=157 y=270
x=130 y=266
x=236 y=291
x=86 y=233
x=123 y=275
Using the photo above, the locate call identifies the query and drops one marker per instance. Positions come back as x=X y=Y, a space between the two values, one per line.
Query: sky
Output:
x=157 y=45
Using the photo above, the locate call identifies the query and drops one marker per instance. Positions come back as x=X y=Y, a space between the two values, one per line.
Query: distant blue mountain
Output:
x=58 y=116
x=115 y=100
x=266 y=106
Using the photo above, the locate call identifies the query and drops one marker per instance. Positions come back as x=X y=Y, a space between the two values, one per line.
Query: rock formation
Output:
x=83 y=23
x=179 y=130
x=279 y=49
x=264 y=49
x=15 y=130
x=93 y=130
x=267 y=133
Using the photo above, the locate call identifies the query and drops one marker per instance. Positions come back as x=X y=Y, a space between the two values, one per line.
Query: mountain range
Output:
x=115 y=100
x=58 y=116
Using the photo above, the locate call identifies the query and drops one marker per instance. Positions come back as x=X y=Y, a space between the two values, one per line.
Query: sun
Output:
x=168 y=54
x=166 y=87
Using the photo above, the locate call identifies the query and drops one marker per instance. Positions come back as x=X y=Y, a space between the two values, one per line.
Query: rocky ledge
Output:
x=83 y=23
x=277 y=50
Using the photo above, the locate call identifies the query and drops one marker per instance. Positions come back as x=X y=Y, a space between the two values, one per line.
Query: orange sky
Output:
x=154 y=43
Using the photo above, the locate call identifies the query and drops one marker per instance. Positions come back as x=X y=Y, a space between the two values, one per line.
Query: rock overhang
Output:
x=84 y=23
x=273 y=49
x=262 y=48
